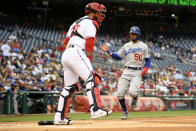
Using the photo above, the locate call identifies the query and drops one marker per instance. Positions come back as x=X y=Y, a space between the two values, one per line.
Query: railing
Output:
x=28 y=101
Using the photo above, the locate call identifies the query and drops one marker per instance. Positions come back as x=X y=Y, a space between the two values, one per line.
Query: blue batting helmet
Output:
x=136 y=30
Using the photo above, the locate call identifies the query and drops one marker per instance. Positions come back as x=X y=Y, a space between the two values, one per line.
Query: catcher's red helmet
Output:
x=97 y=8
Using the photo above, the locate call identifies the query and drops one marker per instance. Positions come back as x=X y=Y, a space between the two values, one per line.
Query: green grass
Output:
x=86 y=116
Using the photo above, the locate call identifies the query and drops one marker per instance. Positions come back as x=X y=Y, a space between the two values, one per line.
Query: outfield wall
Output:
x=111 y=102
x=35 y=102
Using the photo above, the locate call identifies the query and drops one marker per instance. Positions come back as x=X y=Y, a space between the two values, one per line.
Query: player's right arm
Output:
x=112 y=54
x=66 y=42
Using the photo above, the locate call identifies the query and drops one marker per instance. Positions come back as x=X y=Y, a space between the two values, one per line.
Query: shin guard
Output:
x=66 y=99
x=96 y=96
x=93 y=91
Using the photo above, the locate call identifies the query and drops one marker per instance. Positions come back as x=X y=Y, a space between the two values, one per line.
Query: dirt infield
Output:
x=182 y=123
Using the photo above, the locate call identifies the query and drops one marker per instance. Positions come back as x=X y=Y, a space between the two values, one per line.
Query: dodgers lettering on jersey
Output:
x=85 y=28
x=134 y=53
x=133 y=50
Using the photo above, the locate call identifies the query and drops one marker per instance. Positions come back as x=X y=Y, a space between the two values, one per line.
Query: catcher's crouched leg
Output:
x=93 y=94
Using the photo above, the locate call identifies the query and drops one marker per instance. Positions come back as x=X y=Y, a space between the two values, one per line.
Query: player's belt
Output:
x=72 y=46
x=133 y=68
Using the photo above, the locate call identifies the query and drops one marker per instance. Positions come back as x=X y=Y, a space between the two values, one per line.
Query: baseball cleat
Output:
x=66 y=121
x=125 y=115
x=100 y=113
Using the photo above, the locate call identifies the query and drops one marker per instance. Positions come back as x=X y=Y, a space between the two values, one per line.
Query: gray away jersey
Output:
x=134 y=53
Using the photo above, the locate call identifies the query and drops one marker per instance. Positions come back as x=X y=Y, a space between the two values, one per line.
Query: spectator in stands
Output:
x=142 y=85
x=193 y=52
x=149 y=86
x=183 y=93
x=102 y=55
x=193 y=49
x=12 y=37
x=39 y=60
x=16 y=46
x=119 y=73
x=170 y=72
x=172 y=43
x=178 y=75
x=113 y=86
x=6 y=49
x=160 y=39
x=180 y=58
x=192 y=73
x=177 y=50
x=159 y=93
x=105 y=88
x=113 y=69
x=192 y=89
x=150 y=44
x=186 y=86
x=194 y=78
x=6 y=85
x=175 y=92
x=157 y=55
x=172 y=84
x=163 y=47
x=179 y=83
x=163 y=89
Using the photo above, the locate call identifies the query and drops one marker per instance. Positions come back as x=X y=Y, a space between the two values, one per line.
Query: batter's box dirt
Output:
x=185 y=123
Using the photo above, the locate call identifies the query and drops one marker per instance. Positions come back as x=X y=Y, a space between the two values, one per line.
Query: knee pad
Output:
x=97 y=78
x=72 y=89
x=120 y=95
x=90 y=82
x=93 y=80
x=133 y=93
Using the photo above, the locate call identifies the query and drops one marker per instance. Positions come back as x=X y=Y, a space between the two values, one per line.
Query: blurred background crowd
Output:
x=39 y=69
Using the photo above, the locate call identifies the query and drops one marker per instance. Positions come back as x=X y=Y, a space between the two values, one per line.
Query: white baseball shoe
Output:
x=125 y=115
x=66 y=121
x=100 y=113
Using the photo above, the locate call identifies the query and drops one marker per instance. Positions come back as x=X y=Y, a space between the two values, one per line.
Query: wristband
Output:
x=108 y=51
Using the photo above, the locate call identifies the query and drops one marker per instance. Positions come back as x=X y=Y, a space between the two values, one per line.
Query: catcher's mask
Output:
x=97 y=8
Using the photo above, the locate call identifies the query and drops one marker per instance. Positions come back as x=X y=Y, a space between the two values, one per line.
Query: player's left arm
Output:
x=89 y=48
x=147 y=62
x=112 y=54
